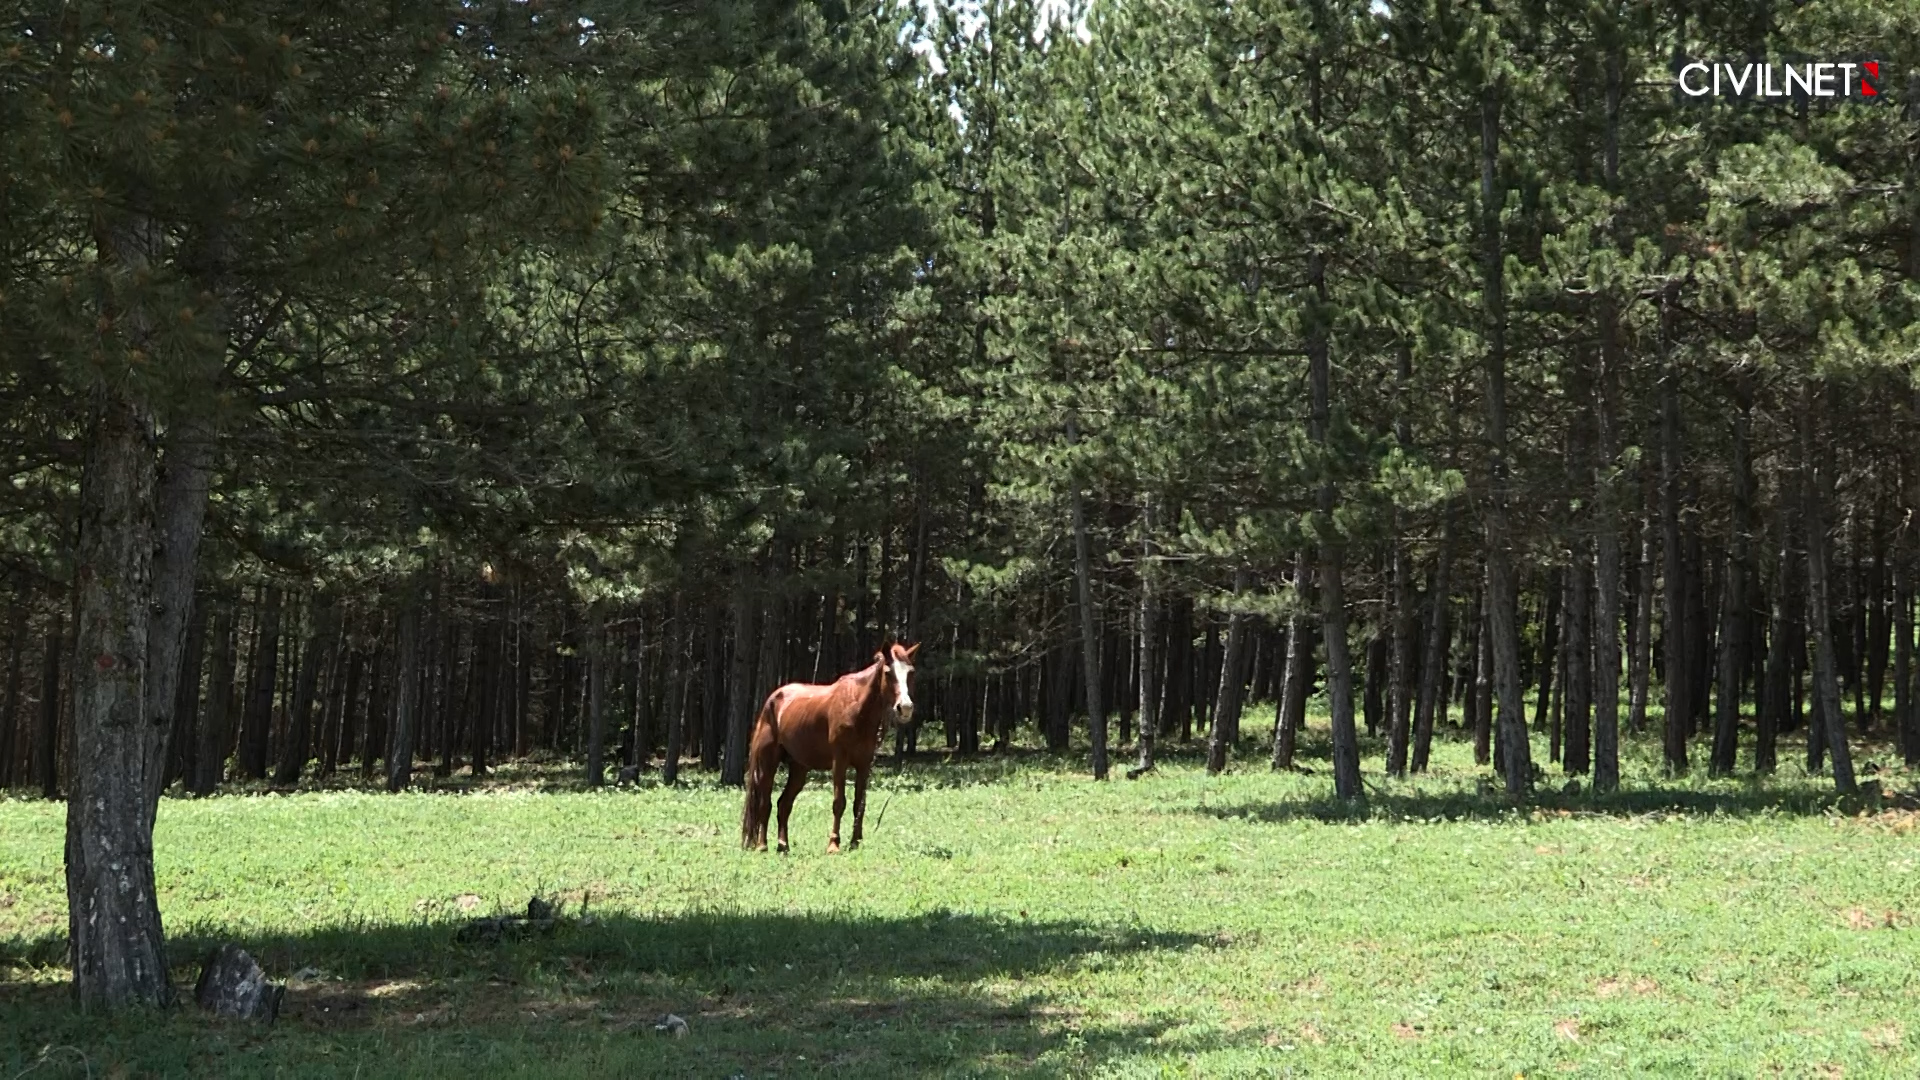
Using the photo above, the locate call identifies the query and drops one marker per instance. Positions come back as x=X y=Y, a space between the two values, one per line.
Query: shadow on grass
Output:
x=1489 y=802
x=942 y=993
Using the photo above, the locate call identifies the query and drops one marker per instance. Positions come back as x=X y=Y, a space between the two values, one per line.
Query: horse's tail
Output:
x=763 y=756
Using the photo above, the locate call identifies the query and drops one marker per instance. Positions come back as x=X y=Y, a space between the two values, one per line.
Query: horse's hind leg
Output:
x=796 y=779
x=859 y=803
x=839 y=804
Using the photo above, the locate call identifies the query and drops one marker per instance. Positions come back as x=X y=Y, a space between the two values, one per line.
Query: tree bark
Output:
x=1778 y=690
x=1674 y=630
x=115 y=943
x=1089 y=633
x=1373 y=695
x=489 y=650
x=1606 y=564
x=599 y=658
x=257 y=721
x=46 y=739
x=180 y=508
x=680 y=641
x=740 y=703
x=210 y=754
x=16 y=656
x=298 y=746
x=1149 y=660
x=1642 y=659
x=182 y=739
x=713 y=699
x=1903 y=673
x=1226 y=711
x=1550 y=637
x=1480 y=689
x=1516 y=754
x=1291 y=711
x=1577 y=689
x=1400 y=659
x=1826 y=685
x=1433 y=668
x=406 y=698
x=1733 y=594
x=1333 y=601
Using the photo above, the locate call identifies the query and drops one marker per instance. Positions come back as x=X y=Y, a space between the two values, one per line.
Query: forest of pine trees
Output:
x=403 y=387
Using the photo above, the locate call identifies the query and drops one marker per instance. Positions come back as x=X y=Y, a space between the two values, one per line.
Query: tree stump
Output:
x=233 y=986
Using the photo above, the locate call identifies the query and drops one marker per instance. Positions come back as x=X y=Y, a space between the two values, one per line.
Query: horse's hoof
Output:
x=833 y=847
x=782 y=849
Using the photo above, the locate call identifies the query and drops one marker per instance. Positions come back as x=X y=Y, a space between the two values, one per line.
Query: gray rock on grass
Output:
x=233 y=986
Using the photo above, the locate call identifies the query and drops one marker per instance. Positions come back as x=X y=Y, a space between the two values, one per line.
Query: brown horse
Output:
x=836 y=726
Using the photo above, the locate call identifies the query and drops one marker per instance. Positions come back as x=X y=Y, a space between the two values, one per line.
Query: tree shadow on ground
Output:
x=763 y=995
x=1488 y=801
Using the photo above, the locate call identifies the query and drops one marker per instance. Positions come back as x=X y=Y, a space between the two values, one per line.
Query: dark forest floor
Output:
x=1008 y=916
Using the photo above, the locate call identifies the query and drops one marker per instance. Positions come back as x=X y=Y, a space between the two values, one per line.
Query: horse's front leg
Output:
x=839 y=805
x=859 y=803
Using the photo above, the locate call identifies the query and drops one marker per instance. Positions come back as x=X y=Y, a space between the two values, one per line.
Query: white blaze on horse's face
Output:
x=902 y=697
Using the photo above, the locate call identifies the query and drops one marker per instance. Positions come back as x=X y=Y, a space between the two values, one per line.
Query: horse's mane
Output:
x=863 y=685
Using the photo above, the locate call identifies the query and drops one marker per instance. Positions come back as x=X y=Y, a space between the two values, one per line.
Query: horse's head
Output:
x=896 y=678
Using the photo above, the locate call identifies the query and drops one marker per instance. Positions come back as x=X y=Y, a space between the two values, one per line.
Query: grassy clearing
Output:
x=1011 y=917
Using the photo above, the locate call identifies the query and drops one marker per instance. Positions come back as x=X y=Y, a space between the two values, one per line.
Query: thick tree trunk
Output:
x=1433 y=670
x=1226 y=712
x=1089 y=632
x=115 y=944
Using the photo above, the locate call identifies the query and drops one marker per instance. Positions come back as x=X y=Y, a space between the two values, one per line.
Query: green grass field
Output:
x=1009 y=916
